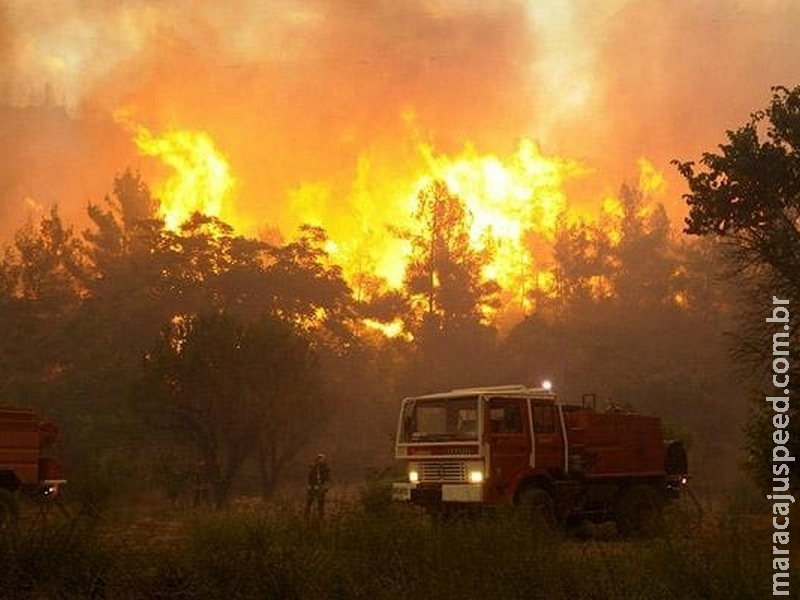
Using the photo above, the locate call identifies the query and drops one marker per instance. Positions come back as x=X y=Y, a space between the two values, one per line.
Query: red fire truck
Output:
x=24 y=465
x=520 y=446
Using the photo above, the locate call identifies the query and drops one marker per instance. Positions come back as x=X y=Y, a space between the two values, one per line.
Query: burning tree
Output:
x=447 y=291
x=581 y=252
x=444 y=272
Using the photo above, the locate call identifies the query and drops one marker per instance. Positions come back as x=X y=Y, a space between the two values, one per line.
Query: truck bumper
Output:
x=401 y=492
x=446 y=492
x=462 y=492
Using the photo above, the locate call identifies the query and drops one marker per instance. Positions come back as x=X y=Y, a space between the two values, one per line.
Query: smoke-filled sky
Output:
x=336 y=95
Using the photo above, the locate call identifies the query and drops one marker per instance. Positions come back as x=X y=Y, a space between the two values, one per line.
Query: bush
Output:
x=376 y=493
x=366 y=554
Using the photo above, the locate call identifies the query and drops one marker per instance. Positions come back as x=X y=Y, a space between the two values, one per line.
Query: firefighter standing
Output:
x=318 y=477
x=202 y=484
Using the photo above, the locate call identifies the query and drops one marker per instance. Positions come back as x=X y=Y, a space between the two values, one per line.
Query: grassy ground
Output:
x=371 y=551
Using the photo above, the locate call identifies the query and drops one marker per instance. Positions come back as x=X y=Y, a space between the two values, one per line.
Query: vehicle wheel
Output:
x=537 y=505
x=676 y=461
x=8 y=509
x=639 y=511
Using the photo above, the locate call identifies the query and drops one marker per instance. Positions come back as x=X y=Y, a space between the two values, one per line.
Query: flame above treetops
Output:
x=514 y=204
x=201 y=180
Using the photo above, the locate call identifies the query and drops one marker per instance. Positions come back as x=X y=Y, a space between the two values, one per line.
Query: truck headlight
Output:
x=476 y=476
x=413 y=475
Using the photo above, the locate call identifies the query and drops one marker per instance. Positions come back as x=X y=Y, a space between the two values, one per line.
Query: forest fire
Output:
x=390 y=330
x=201 y=180
x=512 y=209
x=513 y=204
x=234 y=235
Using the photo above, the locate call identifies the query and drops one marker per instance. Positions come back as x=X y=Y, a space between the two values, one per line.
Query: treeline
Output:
x=163 y=353
x=201 y=351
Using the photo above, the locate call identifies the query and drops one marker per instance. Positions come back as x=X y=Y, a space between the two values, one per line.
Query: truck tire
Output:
x=639 y=511
x=8 y=509
x=676 y=461
x=537 y=505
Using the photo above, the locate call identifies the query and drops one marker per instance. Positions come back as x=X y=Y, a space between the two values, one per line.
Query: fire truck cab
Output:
x=520 y=446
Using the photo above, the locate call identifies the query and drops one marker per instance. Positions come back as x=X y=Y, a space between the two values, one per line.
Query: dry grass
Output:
x=366 y=549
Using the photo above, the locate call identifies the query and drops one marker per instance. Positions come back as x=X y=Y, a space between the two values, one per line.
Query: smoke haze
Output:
x=338 y=94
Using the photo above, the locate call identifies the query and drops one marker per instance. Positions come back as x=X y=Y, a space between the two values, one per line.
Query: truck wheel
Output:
x=8 y=509
x=676 y=461
x=639 y=512
x=537 y=505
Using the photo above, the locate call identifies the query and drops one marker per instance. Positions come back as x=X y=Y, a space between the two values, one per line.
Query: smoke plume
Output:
x=329 y=93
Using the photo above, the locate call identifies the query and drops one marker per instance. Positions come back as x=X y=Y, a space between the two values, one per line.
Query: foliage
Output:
x=111 y=294
x=628 y=257
x=600 y=335
x=376 y=493
x=354 y=554
x=581 y=253
x=641 y=259
x=748 y=196
x=443 y=275
x=81 y=313
x=231 y=388
x=43 y=277
x=304 y=289
x=447 y=295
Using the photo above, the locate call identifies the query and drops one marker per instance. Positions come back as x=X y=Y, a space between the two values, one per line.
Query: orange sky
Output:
x=332 y=99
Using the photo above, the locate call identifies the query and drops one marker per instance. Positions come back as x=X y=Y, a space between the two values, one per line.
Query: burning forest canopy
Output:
x=340 y=114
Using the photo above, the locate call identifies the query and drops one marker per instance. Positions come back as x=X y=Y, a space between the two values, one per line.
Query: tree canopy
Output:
x=748 y=195
x=224 y=341
x=232 y=389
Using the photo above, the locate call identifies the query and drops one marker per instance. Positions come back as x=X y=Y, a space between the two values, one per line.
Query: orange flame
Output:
x=510 y=201
x=651 y=181
x=201 y=179
x=393 y=329
x=514 y=203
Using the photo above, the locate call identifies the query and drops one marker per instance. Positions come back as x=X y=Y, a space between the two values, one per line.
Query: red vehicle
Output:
x=520 y=446
x=24 y=465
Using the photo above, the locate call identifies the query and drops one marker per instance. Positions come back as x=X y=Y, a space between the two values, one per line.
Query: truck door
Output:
x=508 y=436
x=547 y=433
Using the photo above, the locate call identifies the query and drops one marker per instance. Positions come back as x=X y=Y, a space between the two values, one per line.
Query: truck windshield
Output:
x=440 y=420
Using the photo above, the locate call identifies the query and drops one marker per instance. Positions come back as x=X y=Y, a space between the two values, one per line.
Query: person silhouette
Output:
x=319 y=476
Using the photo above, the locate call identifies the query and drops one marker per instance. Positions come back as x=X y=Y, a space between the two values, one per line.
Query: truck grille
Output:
x=451 y=471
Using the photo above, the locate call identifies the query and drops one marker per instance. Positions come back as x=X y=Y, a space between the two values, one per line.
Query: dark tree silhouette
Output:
x=748 y=195
x=582 y=263
x=447 y=294
x=642 y=261
x=43 y=279
x=303 y=288
x=233 y=390
x=444 y=272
